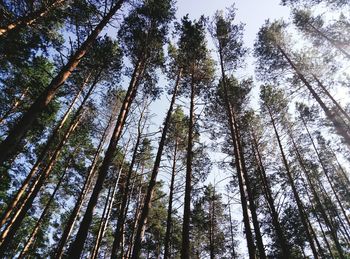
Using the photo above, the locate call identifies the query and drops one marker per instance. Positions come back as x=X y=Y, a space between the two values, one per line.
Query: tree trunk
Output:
x=281 y=239
x=105 y=216
x=46 y=150
x=316 y=197
x=14 y=106
x=238 y=163
x=86 y=186
x=300 y=206
x=24 y=124
x=333 y=42
x=155 y=170
x=330 y=115
x=167 y=252
x=126 y=194
x=78 y=244
x=11 y=228
x=325 y=171
x=233 y=253
x=185 y=246
x=31 y=18
x=335 y=103
x=34 y=232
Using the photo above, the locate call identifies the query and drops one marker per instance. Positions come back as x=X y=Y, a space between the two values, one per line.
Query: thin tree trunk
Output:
x=238 y=163
x=325 y=171
x=46 y=150
x=12 y=226
x=78 y=244
x=335 y=103
x=107 y=213
x=331 y=116
x=155 y=170
x=333 y=42
x=318 y=202
x=14 y=106
x=34 y=232
x=233 y=253
x=170 y=206
x=126 y=194
x=281 y=239
x=9 y=145
x=300 y=206
x=31 y=18
x=185 y=246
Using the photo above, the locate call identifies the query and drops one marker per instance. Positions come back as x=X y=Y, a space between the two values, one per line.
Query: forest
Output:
x=126 y=132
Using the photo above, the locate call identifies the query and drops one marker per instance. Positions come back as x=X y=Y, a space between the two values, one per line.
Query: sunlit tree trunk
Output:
x=24 y=124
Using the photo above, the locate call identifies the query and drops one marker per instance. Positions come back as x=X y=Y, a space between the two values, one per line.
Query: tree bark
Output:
x=86 y=186
x=331 y=116
x=155 y=170
x=40 y=160
x=300 y=206
x=167 y=252
x=281 y=239
x=78 y=244
x=31 y=18
x=9 y=145
x=185 y=246
x=34 y=232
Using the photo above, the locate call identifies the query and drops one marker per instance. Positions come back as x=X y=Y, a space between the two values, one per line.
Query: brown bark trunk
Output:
x=185 y=246
x=34 y=232
x=300 y=206
x=238 y=163
x=126 y=194
x=108 y=209
x=78 y=244
x=46 y=150
x=9 y=145
x=153 y=179
x=330 y=115
x=31 y=18
x=86 y=186
x=167 y=251
x=281 y=239
x=11 y=228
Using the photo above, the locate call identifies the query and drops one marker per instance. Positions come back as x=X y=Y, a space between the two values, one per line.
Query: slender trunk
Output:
x=140 y=201
x=211 y=226
x=300 y=206
x=238 y=162
x=333 y=42
x=155 y=170
x=330 y=115
x=15 y=222
x=126 y=194
x=281 y=239
x=9 y=145
x=14 y=106
x=185 y=246
x=233 y=253
x=106 y=215
x=316 y=197
x=258 y=236
x=345 y=176
x=170 y=206
x=325 y=171
x=335 y=103
x=78 y=244
x=34 y=232
x=31 y=18
x=46 y=150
